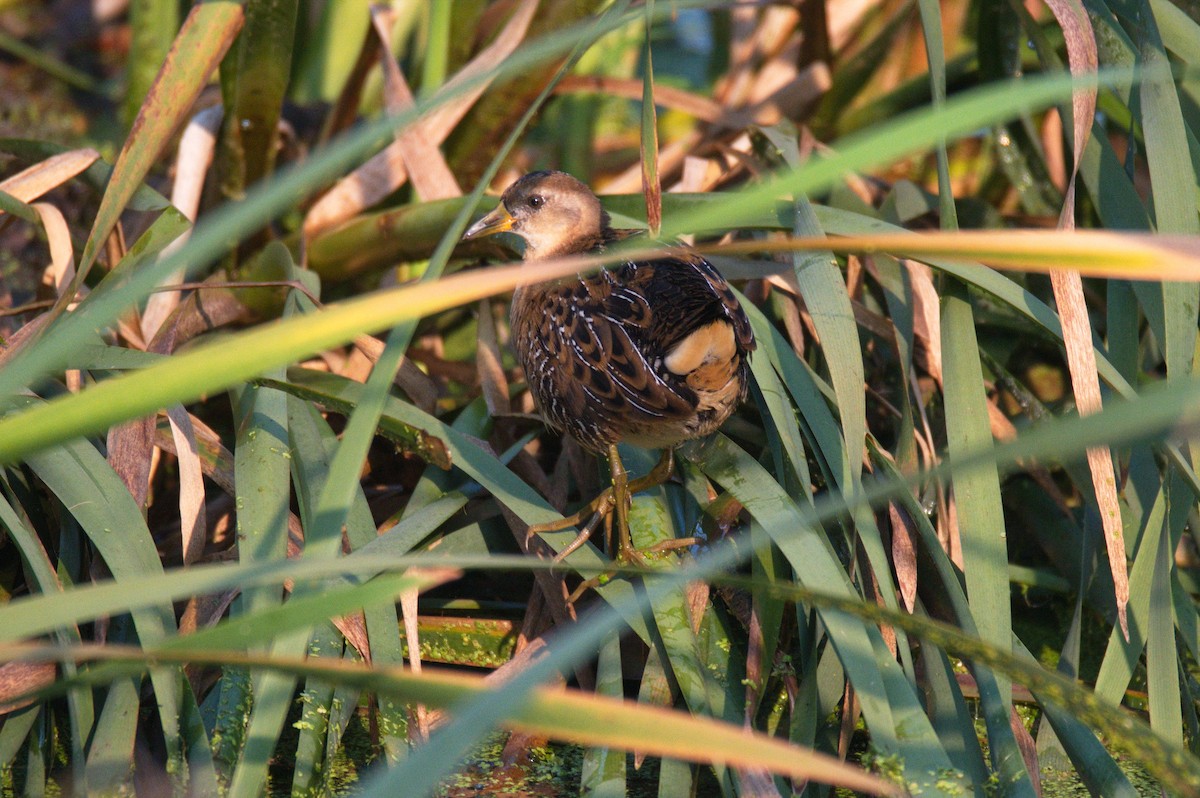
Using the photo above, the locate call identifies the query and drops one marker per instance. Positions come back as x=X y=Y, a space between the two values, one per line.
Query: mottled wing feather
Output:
x=593 y=348
x=690 y=294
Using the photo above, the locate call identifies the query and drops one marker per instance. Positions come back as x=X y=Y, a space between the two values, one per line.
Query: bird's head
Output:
x=554 y=214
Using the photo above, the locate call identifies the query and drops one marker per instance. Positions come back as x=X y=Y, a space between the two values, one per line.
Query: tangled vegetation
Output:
x=267 y=465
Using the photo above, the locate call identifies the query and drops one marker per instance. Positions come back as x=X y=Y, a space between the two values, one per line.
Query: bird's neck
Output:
x=582 y=245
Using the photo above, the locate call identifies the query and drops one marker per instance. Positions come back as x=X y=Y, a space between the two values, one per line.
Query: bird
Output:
x=647 y=352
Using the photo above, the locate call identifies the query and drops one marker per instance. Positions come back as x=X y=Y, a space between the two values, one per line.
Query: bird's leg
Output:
x=594 y=511
x=600 y=508
x=622 y=501
x=618 y=497
x=627 y=552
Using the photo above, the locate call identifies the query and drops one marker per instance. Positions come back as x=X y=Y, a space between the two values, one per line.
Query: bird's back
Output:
x=652 y=353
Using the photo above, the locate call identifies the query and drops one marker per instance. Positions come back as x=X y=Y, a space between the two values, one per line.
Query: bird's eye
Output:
x=536 y=201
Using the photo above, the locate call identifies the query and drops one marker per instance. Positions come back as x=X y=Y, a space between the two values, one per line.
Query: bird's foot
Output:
x=641 y=558
x=612 y=504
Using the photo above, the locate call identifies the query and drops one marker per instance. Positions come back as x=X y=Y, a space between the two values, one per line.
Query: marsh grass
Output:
x=229 y=517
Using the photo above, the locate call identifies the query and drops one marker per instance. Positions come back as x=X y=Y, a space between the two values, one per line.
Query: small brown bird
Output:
x=651 y=353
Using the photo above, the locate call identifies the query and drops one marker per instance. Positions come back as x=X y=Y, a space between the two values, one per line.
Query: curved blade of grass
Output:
x=206 y=34
x=153 y=25
x=651 y=184
x=316 y=699
x=771 y=397
x=308 y=438
x=887 y=707
x=83 y=481
x=56 y=68
x=1174 y=197
x=263 y=490
x=1162 y=657
x=825 y=294
x=976 y=492
x=935 y=53
x=566 y=715
x=327 y=50
x=824 y=290
x=1096 y=766
x=312 y=465
x=650 y=522
x=15 y=731
x=39 y=567
x=110 y=757
x=995 y=704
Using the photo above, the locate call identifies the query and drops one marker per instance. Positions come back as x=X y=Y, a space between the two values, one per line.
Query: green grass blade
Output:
x=651 y=183
x=254 y=80
x=978 y=510
x=884 y=708
x=100 y=502
x=931 y=29
x=603 y=771
x=153 y=24
x=110 y=757
x=1162 y=661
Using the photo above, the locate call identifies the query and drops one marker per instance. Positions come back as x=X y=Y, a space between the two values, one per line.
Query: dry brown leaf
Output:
x=61 y=271
x=29 y=184
x=129 y=452
x=18 y=679
x=791 y=96
x=419 y=731
x=927 y=318
x=697 y=176
x=192 y=160
x=386 y=171
x=1072 y=307
x=1028 y=750
x=427 y=168
x=843 y=20
x=62 y=258
x=736 y=84
x=1053 y=146
x=14 y=343
x=487 y=361
x=755 y=655
x=696 y=105
x=904 y=555
x=669 y=159
x=362 y=188
x=786 y=91
x=949 y=533
x=217 y=465
x=415 y=383
x=441 y=120
x=193 y=523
